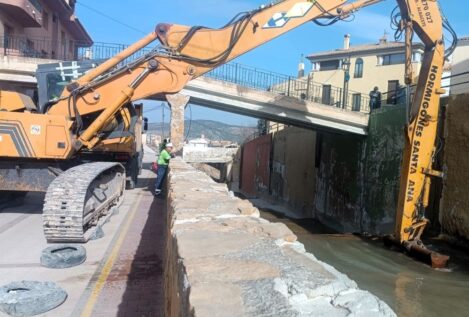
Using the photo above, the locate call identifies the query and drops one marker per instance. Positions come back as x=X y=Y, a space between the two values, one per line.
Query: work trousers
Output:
x=160 y=176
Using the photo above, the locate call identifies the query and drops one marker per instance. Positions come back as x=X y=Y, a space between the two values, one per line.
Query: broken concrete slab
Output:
x=223 y=260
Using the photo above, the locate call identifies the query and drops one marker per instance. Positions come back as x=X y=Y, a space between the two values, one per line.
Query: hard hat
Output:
x=169 y=144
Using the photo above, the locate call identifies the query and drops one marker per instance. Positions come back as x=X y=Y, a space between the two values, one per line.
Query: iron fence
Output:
x=45 y=48
x=99 y=51
x=301 y=88
x=39 y=48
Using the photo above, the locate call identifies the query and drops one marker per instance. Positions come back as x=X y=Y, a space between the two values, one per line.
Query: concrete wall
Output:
x=255 y=172
x=349 y=183
x=208 y=154
x=358 y=178
x=223 y=260
x=454 y=213
x=293 y=175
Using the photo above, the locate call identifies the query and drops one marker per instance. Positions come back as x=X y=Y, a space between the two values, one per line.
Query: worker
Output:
x=163 y=144
x=163 y=162
x=375 y=99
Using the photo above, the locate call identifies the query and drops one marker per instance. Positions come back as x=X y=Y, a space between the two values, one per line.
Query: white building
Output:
x=460 y=68
x=197 y=144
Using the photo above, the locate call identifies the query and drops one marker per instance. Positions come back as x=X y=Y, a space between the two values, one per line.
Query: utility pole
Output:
x=162 y=122
x=346 y=68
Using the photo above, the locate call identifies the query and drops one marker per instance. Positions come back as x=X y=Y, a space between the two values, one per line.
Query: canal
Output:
x=410 y=288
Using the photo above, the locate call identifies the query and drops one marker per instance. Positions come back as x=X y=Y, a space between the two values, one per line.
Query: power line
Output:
x=456 y=84
x=111 y=18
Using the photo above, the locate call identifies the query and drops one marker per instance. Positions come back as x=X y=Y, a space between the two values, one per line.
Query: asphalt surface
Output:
x=122 y=275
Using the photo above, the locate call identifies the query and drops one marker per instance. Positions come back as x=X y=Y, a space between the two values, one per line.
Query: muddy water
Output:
x=410 y=288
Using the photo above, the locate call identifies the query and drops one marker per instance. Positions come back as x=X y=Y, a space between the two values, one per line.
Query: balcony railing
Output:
x=23 y=46
x=46 y=48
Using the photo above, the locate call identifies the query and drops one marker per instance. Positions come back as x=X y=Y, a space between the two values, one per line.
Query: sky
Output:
x=282 y=55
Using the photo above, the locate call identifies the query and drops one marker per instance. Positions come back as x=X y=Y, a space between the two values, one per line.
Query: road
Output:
x=123 y=273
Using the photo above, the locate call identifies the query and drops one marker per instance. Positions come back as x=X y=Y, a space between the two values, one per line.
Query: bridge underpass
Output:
x=279 y=98
x=271 y=106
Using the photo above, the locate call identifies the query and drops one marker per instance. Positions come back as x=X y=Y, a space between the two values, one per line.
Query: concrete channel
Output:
x=410 y=288
x=202 y=252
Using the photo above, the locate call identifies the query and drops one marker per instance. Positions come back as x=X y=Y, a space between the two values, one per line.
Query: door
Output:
x=7 y=38
x=55 y=36
x=356 y=102
x=326 y=94
x=393 y=86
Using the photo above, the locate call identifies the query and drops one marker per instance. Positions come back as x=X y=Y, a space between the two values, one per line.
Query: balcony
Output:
x=27 y=12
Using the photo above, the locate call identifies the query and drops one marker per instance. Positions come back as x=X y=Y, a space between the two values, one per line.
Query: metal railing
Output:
x=46 y=48
x=301 y=88
x=107 y=50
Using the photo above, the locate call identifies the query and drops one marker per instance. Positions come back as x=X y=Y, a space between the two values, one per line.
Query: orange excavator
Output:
x=70 y=145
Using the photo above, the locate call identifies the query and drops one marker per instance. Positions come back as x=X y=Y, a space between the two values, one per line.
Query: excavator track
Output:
x=80 y=200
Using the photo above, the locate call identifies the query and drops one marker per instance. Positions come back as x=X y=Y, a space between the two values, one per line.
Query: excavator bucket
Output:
x=419 y=251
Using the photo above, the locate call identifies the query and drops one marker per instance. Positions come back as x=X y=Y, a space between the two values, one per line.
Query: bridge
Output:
x=233 y=88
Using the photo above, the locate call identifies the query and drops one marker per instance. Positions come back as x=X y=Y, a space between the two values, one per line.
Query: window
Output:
x=54 y=18
x=8 y=33
x=393 y=59
x=393 y=86
x=358 y=68
x=356 y=102
x=330 y=65
x=45 y=20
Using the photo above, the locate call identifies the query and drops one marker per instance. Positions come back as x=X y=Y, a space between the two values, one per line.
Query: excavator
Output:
x=69 y=145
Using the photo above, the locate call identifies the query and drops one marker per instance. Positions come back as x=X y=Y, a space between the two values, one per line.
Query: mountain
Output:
x=212 y=130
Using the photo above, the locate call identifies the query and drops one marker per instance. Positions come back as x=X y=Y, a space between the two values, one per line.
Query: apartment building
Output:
x=357 y=69
x=33 y=32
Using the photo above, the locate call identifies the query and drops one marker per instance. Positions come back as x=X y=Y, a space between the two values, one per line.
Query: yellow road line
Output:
x=88 y=310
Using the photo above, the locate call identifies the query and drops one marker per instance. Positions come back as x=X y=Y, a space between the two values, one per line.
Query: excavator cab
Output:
x=53 y=78
x=121 y=140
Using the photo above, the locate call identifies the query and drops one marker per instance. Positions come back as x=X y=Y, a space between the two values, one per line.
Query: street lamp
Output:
x=346 y=68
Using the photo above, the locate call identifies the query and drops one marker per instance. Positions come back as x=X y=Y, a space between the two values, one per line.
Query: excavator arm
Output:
x=189 y=52
x=186 y=53
x=423 y=18
x=89 y=105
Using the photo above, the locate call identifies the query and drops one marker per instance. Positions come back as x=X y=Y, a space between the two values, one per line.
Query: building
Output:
x=198 y=144
x=36 y=32
x=460 y=68
x=378 y=64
